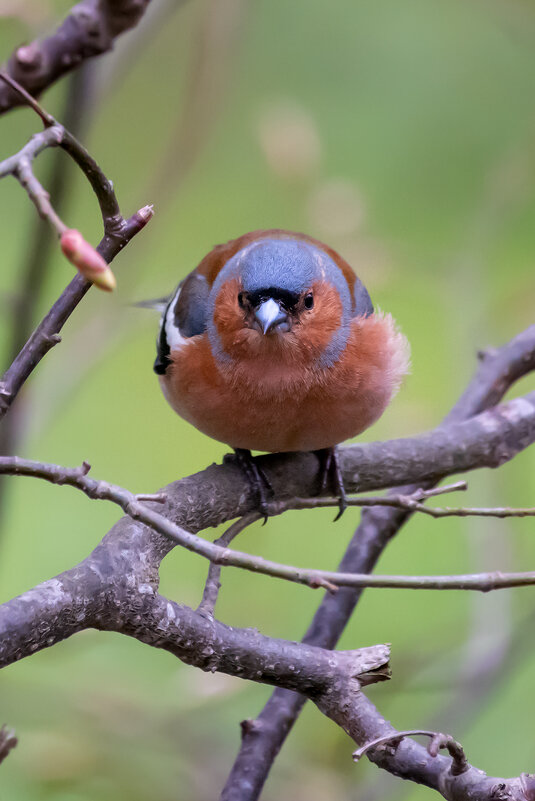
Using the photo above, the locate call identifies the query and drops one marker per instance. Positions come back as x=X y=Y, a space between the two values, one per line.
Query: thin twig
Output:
x=102 y=490
x=411 y=503
x=46 y=335
x=28 y=100
x=213 y=580
x=19 y=165
x=117 y=234
x=438 y=741
x=37 y=259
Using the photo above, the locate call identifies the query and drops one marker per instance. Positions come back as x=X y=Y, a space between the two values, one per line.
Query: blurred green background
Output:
x=404 y=136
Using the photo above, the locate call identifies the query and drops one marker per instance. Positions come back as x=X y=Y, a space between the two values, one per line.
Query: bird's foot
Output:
x=256 y=478
x=331 y=476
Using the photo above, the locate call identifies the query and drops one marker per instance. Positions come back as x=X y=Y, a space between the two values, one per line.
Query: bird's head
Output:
x=281 y=298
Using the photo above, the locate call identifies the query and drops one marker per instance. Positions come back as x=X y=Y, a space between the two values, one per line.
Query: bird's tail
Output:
x=156 y=304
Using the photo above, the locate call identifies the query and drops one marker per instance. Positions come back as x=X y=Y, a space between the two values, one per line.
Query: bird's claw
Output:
x=331 y=476
x=256 y=478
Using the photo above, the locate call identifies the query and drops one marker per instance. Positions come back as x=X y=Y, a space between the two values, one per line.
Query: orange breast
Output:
x=284 y=406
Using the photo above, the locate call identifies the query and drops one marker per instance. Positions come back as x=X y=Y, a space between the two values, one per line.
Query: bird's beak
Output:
x=269 y=314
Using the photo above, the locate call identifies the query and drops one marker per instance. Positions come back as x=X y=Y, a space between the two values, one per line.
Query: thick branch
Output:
x=212 y=646
x=89 y=30
x=105 y=592
x=48 y=613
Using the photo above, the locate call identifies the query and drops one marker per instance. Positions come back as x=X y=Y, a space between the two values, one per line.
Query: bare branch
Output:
x=438 y=741
x=117 y=234
x=20 y=165
x=483 y=582
x=219 y=554
x=392 y=750
x=212 y=646
x=412 y=503
x=50 y=137
x=26 y=99
x=88 y=30
x=46 y=335
x=110 y=592
x=36 y=261
x=213 y=580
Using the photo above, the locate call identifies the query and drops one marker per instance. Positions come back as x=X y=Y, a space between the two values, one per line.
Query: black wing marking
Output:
x=162 y=361
x=184 y=316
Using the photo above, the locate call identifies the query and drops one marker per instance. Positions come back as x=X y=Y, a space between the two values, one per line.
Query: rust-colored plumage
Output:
x=319 y=370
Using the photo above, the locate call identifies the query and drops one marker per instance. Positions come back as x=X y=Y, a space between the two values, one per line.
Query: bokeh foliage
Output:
x=402 y=134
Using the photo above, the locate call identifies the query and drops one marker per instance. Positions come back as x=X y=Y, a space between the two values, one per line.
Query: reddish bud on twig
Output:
x=87 y=260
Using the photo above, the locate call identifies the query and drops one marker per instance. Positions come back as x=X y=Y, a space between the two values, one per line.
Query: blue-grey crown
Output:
x=290 y=265
x=286 y=264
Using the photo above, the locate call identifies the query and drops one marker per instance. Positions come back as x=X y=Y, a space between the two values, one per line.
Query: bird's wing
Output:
x=184 y=316
x=363 y=305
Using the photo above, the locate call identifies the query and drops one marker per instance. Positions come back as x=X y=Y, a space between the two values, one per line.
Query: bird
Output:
x=272 y=344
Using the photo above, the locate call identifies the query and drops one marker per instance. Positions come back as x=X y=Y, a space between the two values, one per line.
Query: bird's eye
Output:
x=309 y=301
x=241 y=300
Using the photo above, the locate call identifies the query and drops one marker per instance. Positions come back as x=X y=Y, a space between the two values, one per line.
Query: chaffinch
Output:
x=272 y=344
